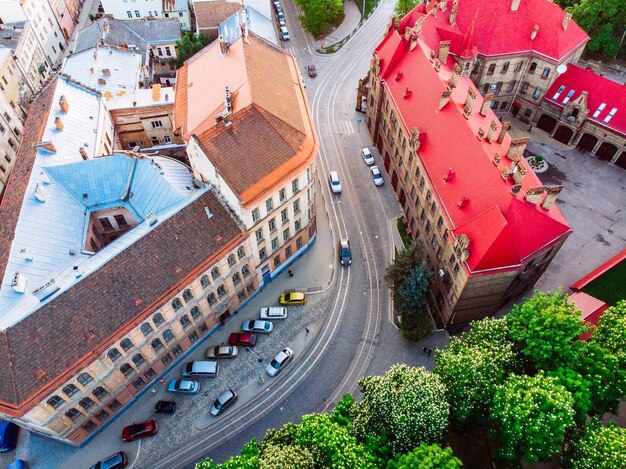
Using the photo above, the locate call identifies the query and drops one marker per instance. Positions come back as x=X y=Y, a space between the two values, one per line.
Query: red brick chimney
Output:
x=83 y=153
x=484 y=109
x=444 y=48
x=454 y=78
x=64 y=104
x=552 y=193
x=516 y=150
x=493 y=128
x=503 y=131
x=455 y=7
x=469 y=102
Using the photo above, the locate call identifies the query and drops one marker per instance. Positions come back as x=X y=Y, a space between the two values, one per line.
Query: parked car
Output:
x=378 y=178
x=225 y=400
x=311 y=70
x=115 y=461
x=292 y=298
x=222 y=351
x=276 y=3
x=273 y=312
x=345 y=256
x=242 y=338
x=201 y=369
x=281 y=23
x=279 y=8
x=183 y=386
x=335 y=183
x=165 y=407
x=367 y=156
x=8 y=436
x=140 y=430
x=284 y=32
x=263 y=327
x=279 y=362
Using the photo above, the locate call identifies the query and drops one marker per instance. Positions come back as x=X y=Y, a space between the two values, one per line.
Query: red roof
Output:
x=503 y=229
x=590 y=308
x=500 y=31
x=601 y=92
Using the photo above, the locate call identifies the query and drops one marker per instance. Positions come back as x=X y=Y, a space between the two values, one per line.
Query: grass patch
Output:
x=609 y=287
x=406 y=237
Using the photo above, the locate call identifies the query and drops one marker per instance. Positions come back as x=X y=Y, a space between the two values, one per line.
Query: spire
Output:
x=468 y=48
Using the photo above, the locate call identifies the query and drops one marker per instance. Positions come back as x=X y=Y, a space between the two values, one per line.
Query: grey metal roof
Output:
x=11 y=33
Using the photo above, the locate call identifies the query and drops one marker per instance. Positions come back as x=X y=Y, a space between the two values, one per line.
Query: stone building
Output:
x=489 y=226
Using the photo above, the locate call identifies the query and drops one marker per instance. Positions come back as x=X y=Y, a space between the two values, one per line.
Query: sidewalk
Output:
x=348 y=25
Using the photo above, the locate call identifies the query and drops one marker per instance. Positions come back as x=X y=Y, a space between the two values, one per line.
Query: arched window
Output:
x=100 y=392
x=56 y=401
x=86 y=403
x=204 y=281
x=114 y=354
x=167 y=335
x=215 y=273
x=126 y=369
x=156 y=345
x=221 y=291
x=73 y=414
x=158 y=319
x=146 y=328
x=126 y=345
x=245 y=270
x=187 y=296
x=184 y=321
x=231 y=260
x=85 y=378
x=195 y=312
x=177 y=304
x=241 y=252
x=236 y=278
x=70 y=390
x=138 y=360
x=211 y=298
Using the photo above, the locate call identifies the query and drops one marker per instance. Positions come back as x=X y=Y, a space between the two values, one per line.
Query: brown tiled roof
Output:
x=180 y=98
x=102 y=303
x=211 y=14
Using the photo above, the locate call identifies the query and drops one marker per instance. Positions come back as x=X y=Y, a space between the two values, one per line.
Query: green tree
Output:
x=343 y=414
x=604 y=21
x=611 y=331
x=286 y=457
x=414 y=291
x=598 y=447
x=472 y=366
x=190 y=44
x=426 y=457
x=404 y=6
x=530 y=416
x=546 y=329
x=406 y=404
x=320 y=15
x=249 y=459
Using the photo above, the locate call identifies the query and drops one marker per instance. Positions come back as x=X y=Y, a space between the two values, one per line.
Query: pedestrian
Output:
x=425 y=350
x=290 y=272
x=306 y=329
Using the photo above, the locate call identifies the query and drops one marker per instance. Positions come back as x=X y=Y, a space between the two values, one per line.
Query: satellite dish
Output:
x=561 y=69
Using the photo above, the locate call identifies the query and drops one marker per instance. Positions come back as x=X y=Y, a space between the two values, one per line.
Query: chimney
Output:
x=223 y=46
x=407 y=93
x=454 y=78
x=533 y=35
x=503 y=131
x=106 y=72
x=413 y=41
x=102 y=81
x=455 y=7
x=533 y=194
x=443 y=4
x=516 y=150
x=493 y=128
x=64 y=104
x=444 y=48
x=484 y=109
x=449 y=176
x=515 y=5
x=566 y=19
x=407 y=34
x=437 y=65
x=551 y=196
x=469 y=102
x=445 y=97
x=47 y=145
x=496 y=159
x=518 y=172
x=463 y=203
x=95 y=53
x=83 y=153
x=59 y=124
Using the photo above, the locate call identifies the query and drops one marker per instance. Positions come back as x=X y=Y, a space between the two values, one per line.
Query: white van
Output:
x=284 y=33
x=201 y=369
x=273 y=312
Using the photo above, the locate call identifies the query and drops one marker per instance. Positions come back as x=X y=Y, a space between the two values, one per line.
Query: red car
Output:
x=242 y=338
x=140 y=430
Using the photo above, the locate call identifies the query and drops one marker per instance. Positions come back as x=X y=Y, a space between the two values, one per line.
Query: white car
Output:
x=335 y=183
x=273 y=312
x=279 y=362
x=264 y=327
x=367 y=156
x=378 y=178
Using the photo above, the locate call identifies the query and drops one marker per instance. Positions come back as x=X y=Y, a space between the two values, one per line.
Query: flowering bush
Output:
x=286 y=457
x=598 y=447
x=426 y=456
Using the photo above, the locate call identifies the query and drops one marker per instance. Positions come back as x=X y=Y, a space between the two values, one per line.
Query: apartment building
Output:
x=66 y=12
x=243 y=112
x=11 y=116
x=132 y=9
x=178 y=9
x=490 y=227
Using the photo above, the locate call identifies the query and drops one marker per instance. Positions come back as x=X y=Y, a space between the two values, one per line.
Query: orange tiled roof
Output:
x=211 y=14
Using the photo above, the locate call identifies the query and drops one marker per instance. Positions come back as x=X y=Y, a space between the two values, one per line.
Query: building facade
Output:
x=178 y=9
x=124 y=10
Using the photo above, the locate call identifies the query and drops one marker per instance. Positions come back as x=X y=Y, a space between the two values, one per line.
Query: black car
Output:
x=116 y=461
x=165 y=407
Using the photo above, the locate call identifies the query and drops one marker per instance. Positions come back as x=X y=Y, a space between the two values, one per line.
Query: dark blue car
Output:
x=8 y=436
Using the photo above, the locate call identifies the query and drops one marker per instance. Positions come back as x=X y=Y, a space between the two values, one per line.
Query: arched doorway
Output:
x=606 y=151
x=621 y=160
x=563 y=134
x=587 y=142
x=546 y=123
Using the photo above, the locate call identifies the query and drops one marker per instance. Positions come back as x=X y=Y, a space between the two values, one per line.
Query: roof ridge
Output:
x=271 y=120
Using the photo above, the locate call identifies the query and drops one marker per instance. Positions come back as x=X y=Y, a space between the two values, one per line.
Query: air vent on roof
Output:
x=136 y=300
x=207 y=211
x=570 y=93
x=611 y=114
x=46 y=290
x=26 y=255
x=39 y=373
x=558 y=92
x=19 y=282
x=217 y=238
x=39 y=193
x=177 y=269
x=78 y=272
x=89 y=335
x=151 y=219
x=44 y=178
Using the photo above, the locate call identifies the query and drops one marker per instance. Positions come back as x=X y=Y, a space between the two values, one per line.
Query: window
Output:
x=158 y=319
x=204 y=281
x=86 y=403
x=211 y=298
x=203 y=329
x=274 y=244
x=114 y=354
x=259 y=235
x=282 y=194
x=73 y=414
x=139 y=383
x=546 y=73
x=55 y=402
x=440 y=222
x=528 y=112
x=177 y=350
x=286 y=235
x=100 y=392
x=250 y=289
x=120 y=220
x=486 y=88
x=102 y=415
x=288 y=252
x=137 y=13
x=215 y=273
x=510 y=86
x=269 y=205
x=114 y=405
x=245 y=271
x=149 y=374
x=295 y=187
x=241 y=252
x=262 y=254
x=284 y=215
x=532 y=68
x=159 y=51
x=168 y=336
x=504 y=104
x=167 y=139
x=272 y=225
x=105 y=223
x=185 y=322
x=84 y=379
x=524 y=87
x=168 y=51
x=126 y=345
x=146 y=328
x=236 y=278
x=296 y=207
x=138 y=360
x=157 y=124
x=221 y=291
x=297 y=225
x=518 y=66
x=498 y=87
x=167 y=359
x=187 y=295
x=130 y=15
x=231 y=260
x=177 y=304
x=195 y=312
x=491 y=69
x=277 y=261
x=537 y=93
x=126 y=369
x=156 y=345
x=505 y=67
x=256 y=215
x=193 y=337
x=154 y=140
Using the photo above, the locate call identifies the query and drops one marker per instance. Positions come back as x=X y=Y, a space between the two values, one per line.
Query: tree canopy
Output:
x=320 y=15
x=598 y=447
x=404 y=6
x=604 y=21
x=425 y=457
x=190 y=44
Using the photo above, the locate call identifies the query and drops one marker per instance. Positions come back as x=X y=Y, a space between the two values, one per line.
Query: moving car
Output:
x=264 y=327
x=344 y=252
x=279 y=362
x=225 y=400
x=284 y=32
x=8 y=436
x=183 y=386
x=115 y=461
x=378 y=178
x=335 y=183
x=242 y=338
x=292 y=298
x=139 y=430
x=367 y=156
x=273 y=312
x=201 y=369
x=311 y=70
x=165 y=407
x=222 y=351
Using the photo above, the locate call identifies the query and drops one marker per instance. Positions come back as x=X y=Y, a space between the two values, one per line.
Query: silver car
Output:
x=378 y=178
x=225 y=400
x=279 y=362
x=264 y=327
x=367 y=156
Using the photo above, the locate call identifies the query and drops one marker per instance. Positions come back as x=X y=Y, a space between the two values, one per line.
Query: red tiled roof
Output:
x=503 y=229
x=601 y=90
